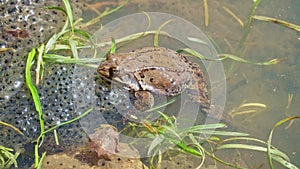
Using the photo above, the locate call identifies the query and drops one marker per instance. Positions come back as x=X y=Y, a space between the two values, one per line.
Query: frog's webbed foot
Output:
x=144 y=100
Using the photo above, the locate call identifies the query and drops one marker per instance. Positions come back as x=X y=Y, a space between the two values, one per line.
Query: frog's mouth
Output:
x=108 y=78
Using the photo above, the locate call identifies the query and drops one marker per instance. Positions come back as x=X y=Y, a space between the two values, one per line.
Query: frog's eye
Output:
x=113 y=71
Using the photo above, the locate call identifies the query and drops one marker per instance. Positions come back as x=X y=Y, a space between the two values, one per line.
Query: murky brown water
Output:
x=269 y=85
x=246 y=83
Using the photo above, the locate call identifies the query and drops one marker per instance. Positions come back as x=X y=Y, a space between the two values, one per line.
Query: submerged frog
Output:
x=156 y=70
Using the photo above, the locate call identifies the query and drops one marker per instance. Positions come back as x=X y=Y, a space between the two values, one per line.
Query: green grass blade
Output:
x=55 y=37
x=73 y=48
x=172 y=131
x=113 y=48
x=33 y=90
x=195 y=53
x=168 y=119
x=69 y=13
x=70 y=121
x=204 y=127
x=56 y=8
x=54 y=58
x=83 y=33
x=36 y=155
x=39 y=166
x=55 y=137
x=221 y=133
x=12 y=161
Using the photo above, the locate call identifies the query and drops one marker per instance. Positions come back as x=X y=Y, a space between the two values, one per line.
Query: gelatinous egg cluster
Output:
x=25 y=24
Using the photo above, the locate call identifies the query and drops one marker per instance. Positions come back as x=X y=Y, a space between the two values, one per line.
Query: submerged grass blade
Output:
x=155 y=42
x=269 y=150
x=234 y=15
x=277 y=21
x=200 y=149
x=229 y=56
x=223 y=162
x=250 y=18
x=245 y=109
x=261 y=105
x=240 y=47
x=11 y=126
x=253 y=147
x=158 y=140
x=105 y=13
x=206 y=14
x=170 y=101
x=131 y=37
x=285 y=163
x=239 y=59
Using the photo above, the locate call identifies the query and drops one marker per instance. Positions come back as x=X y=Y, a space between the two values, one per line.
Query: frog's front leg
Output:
x=144 y=100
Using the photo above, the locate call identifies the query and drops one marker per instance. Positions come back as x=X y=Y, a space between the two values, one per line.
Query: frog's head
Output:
x=108 y=68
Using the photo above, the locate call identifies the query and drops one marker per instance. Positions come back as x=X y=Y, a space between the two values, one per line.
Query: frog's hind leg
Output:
x=143 y=101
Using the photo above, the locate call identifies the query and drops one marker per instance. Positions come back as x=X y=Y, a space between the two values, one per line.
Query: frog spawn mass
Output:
x=25 y=24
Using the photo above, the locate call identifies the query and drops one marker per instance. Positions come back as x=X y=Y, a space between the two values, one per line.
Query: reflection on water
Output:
x=270 y=85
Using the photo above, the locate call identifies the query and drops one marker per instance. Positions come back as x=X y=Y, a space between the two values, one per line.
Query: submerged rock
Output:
x=85 y=159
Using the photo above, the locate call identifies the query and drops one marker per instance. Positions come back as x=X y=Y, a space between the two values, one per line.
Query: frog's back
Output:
x=155 y=57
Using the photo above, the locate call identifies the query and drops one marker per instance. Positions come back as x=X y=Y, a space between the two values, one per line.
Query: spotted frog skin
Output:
x=156 y=70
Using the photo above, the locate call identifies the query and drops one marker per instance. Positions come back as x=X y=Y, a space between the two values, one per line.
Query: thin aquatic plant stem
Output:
x=241 y=46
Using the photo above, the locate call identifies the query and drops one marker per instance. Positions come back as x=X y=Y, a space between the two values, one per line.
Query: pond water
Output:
x=272 y=88
x=248 y=83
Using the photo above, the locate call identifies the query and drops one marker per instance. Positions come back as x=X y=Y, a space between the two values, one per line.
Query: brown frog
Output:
x=156 y=70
